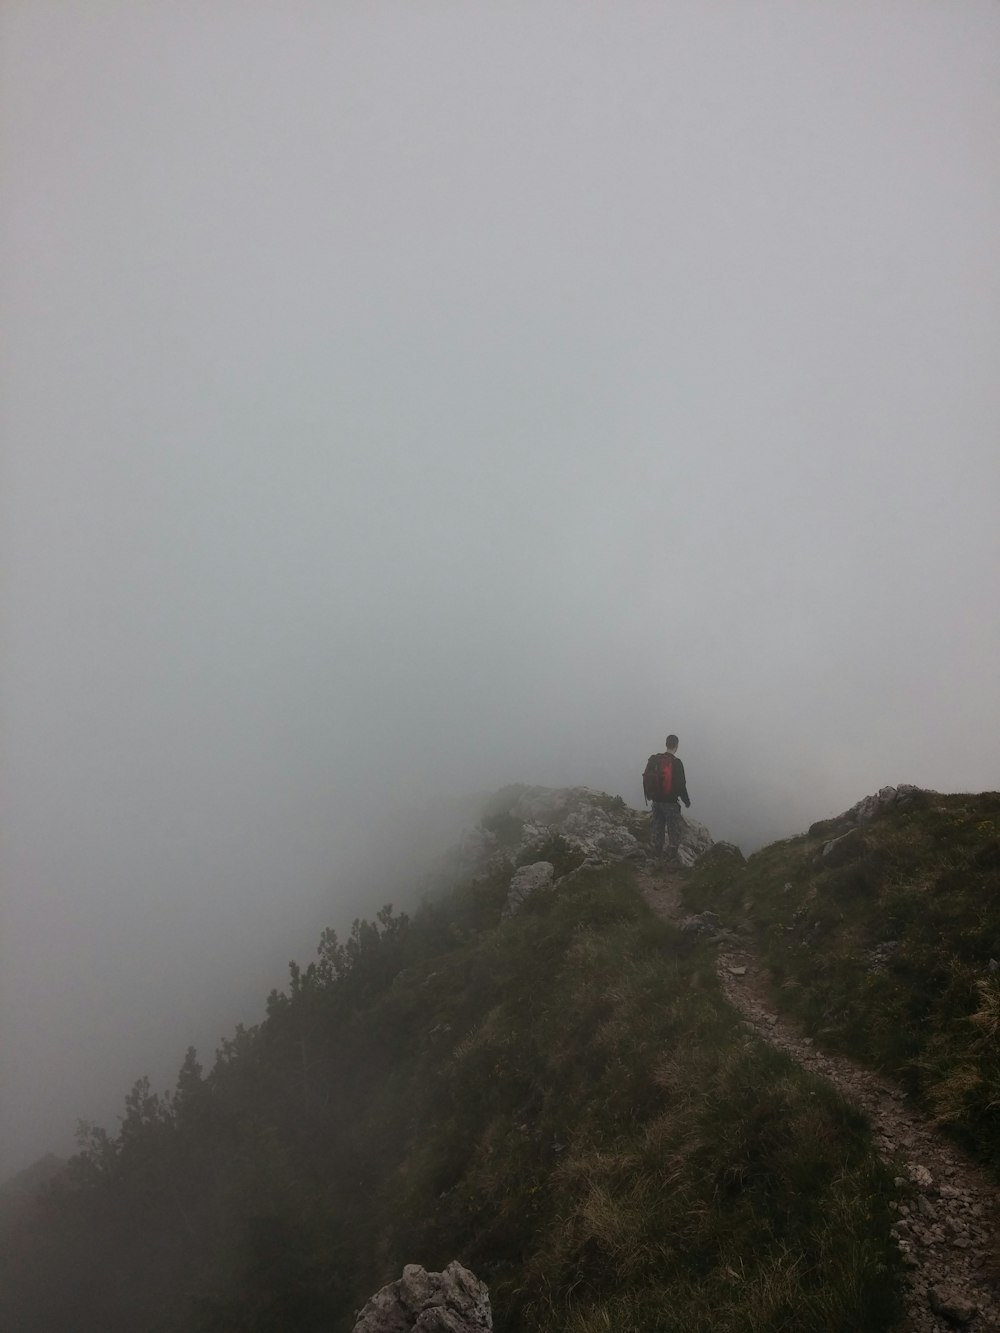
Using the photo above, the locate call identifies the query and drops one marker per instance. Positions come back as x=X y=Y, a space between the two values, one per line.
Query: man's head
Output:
x=672 y=743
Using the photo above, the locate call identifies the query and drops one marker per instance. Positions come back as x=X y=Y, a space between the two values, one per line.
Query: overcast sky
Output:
x=404 y=399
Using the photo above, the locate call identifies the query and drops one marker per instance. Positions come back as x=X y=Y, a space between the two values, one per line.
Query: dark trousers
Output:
x=667 y=822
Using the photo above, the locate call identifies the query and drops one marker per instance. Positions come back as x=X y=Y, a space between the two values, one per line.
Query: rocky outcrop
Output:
x=903 y=797
x=589 y=829
x=526 y=881
x=596 y=833
x=886 y=798
x=696 y=843
x=454 y=1301
x=592 y=828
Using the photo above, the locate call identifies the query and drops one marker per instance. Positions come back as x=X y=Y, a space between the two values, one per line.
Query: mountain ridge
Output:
x=562 y=1098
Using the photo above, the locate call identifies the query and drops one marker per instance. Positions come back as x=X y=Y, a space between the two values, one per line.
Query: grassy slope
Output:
x=603 y=1142
x=887 y=955
x=563 y=1101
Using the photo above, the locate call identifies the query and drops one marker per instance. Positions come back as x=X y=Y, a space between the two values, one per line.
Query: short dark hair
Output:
x=671 y=742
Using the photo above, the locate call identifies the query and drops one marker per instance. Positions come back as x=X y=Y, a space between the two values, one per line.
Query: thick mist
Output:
x=403 y=401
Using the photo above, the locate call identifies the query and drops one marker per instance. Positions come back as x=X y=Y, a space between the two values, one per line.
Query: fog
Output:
x=404 y=400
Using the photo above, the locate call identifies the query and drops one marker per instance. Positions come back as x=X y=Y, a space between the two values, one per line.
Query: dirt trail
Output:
x=949 y=1230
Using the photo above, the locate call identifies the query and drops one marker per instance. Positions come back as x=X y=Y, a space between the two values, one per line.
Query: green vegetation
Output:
x=563 y=1101
x=888 y=948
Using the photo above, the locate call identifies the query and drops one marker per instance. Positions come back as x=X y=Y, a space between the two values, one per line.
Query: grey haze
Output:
x=402 y=400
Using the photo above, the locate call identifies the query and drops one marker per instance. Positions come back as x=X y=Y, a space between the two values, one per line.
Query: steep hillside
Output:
x=881 y=931
x=550 y=1087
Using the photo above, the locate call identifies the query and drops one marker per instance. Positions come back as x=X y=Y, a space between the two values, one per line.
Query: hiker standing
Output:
x=665 y=785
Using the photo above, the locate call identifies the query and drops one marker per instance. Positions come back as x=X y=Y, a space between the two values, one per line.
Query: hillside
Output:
x=552 y=1087
x=881 y=932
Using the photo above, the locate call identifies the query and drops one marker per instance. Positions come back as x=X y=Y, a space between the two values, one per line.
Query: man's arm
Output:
x=682 y=790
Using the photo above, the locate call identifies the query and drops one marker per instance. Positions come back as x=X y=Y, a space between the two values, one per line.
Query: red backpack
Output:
x=658 y=779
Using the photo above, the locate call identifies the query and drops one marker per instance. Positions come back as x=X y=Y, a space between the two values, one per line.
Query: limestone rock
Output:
x=696 y=841
x=525 y=882
x=864 y=811
x=591 y=831
x=454 y=1301
x=599 y=829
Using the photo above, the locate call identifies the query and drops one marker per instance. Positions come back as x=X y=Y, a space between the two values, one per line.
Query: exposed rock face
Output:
x=589 y=822
x=697 y=841
x=595 y=833
x=870 y=807
x=454 y=1301
x=886 y=798
x=591 y=826
x=598 y=828
x=526 y=881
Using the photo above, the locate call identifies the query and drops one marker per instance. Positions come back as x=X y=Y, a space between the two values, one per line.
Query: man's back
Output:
x=664 y=782
x=664 y=779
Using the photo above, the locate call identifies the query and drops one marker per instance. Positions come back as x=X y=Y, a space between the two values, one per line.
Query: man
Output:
x=664 y=783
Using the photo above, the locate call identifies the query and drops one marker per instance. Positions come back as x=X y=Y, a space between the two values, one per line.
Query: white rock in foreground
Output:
x=696 y=842
x=454 y=1301
x=526 y=881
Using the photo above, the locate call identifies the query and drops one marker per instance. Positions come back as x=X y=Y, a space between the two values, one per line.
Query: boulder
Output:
x=696 y=841
x=725 y=853
x=454 y=1301
x=525 y=882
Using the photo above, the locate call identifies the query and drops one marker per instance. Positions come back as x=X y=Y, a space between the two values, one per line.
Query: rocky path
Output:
x=949 y=1221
